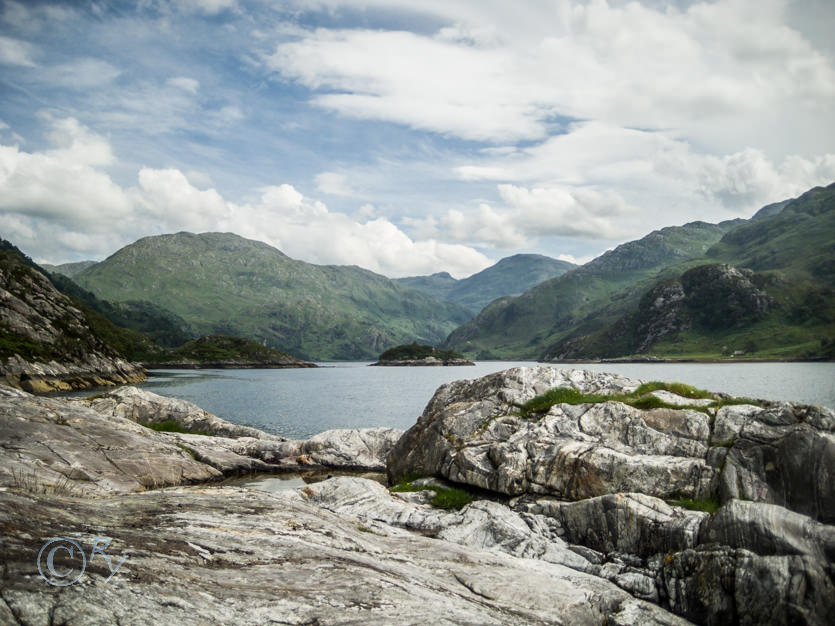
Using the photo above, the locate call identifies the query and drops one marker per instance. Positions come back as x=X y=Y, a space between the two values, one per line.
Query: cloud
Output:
x=334 y=184
x=724 y=70
x=207 y=7
x=84 y=73
x=58 y=202
x=16 y=52
x=529 y=214
x=186 y=84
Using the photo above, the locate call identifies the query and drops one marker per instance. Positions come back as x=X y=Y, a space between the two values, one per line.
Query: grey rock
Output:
x=223 y=555
x=783 y=454
x=718 y=585
x=768 y=529
x=471 y=433
x=52 y=445
x=633 y=523
x=146 y=407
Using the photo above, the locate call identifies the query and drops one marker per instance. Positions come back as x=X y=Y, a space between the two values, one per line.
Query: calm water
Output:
x=298 y=403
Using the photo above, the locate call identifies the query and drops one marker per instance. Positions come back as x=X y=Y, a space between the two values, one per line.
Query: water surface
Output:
x=299 y=403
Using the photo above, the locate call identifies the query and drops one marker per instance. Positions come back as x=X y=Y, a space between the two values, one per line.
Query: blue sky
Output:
x=406 y=137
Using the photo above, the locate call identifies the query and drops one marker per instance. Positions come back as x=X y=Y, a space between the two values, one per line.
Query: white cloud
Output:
x=82 y=73
x=719 y=70
x=186 y=84
x=207 y=7
x=334 y=184
x=57 y=203
x=16 y=52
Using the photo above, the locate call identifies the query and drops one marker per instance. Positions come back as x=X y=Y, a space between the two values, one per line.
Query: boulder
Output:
x=471 y=432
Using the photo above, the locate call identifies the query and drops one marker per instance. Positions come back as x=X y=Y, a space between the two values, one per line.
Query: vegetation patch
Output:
x=444 y=498
x=708 y=506
x=640 y=399
x=415 y=351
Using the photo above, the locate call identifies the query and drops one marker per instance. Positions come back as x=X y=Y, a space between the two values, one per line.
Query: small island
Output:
x=223 y=352
x=415 y=354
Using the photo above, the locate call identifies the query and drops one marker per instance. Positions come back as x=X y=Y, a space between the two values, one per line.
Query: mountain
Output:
x=220 y=283
x=68 y=269
x=766 y=289
x=509 y=277
x=46 y=341
x=437 y=285
x=585 y=299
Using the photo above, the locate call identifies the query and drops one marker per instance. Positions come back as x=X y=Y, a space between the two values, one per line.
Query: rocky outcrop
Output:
x=471 y=432
x=47 y=343
x=573 y=464
x=50 y=445
x=223 y=555
x=92 y=370
x=233 y=449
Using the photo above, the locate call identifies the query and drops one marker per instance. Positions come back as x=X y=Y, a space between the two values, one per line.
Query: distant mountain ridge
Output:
x=523 y=326
x=223 y=283
x=510 y=276
x=763 y=286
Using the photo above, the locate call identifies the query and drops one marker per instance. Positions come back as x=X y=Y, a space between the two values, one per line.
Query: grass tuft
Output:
x=640 y=399
x=444 y=498
x=708 y=506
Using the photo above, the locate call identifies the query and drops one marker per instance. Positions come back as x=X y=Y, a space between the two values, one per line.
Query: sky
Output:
x=406 y=137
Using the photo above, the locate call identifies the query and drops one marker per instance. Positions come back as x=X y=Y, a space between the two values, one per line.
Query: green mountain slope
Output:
x=766 y=289
x=590 y=297
x=68 y=269
x=510 y=276
x=437 y=285
x=223 y=283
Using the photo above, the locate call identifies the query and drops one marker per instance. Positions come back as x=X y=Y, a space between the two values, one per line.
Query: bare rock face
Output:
x=471 y=432
x=148 y=408
x=220 y=556
x=783 y=455
x=49 y=445
x=42 y=324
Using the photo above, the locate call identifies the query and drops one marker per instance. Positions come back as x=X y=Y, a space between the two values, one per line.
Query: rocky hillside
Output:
x=634 y=300
x=524 y=326
x=47 y=343
x=222 y=283
x=766 y=289
x=511 y=276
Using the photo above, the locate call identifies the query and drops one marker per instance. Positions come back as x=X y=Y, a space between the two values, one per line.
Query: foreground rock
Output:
x=765 y=560
x=220 y=556
x=103 y=445
x=346 y=550
x=234 y=449
x=472 y=432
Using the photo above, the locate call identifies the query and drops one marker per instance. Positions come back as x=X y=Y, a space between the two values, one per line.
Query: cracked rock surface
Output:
x=551 y=539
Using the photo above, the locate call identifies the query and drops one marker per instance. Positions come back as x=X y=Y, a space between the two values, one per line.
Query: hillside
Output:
x=223 y=283
x=766 y=289
x=46 y=341
x=68 y=269
x=587 y=298
x=511 y=276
